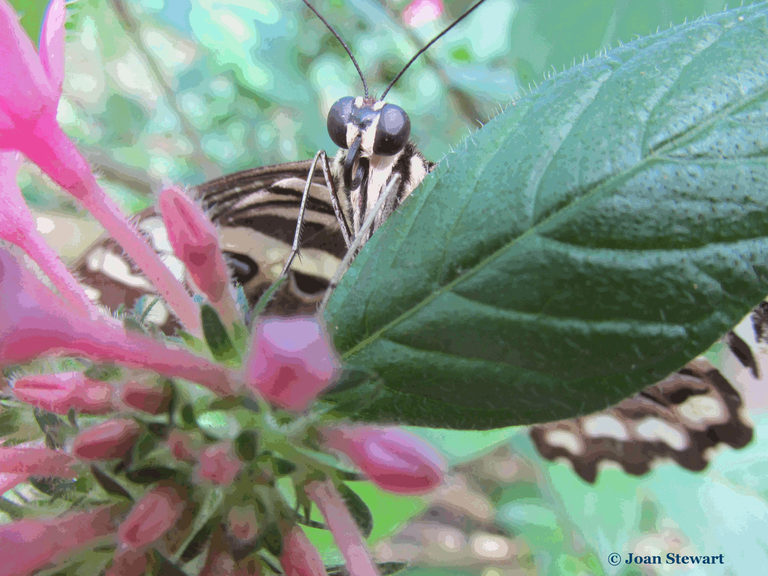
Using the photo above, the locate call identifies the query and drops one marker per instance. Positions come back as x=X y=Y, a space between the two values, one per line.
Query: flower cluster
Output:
x=170 y=451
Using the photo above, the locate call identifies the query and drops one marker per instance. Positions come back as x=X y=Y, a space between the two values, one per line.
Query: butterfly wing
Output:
x=256 y=212
x=679 y=418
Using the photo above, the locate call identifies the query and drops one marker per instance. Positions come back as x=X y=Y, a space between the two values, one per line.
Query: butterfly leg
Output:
x=321 y=157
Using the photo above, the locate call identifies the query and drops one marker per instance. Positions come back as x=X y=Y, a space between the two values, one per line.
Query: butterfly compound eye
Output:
x=393 y=130
x=338 y=118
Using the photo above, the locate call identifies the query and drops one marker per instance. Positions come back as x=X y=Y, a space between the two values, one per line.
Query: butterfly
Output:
x=680 y=418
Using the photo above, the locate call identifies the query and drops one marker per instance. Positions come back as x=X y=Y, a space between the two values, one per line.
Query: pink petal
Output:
x=15 y=218
x=28 y=545
x=52 y=43
x=110 y=439
x=195 y=241
x=300 y=557
x=36 y=461
x=33 y=322
x=291 y=362
x=59 y=393
x=150 y=518
x=26 y=93
x=147 y=398
x=389 y=457
x=218 y=465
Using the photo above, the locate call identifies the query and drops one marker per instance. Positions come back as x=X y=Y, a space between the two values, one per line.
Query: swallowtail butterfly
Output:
x=693 y=410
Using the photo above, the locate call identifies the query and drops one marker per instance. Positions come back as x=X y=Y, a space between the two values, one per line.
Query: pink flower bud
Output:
x=17 y=464
x=300 y=557
x=150 y=518
x=110 y=439
x=182 y=446
x=28 y=545
x=391 y=458
x=61 y=392
x=291 y=362
x=147 y=398
x=218 y=464
x=242 y=524
x=195 y=241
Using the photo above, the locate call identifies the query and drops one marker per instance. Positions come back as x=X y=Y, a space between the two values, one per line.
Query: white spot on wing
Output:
x=604 y=426
x=44 y=225
x=116 y=268
x=654 y=429
x=704 y=410
x=567 y=440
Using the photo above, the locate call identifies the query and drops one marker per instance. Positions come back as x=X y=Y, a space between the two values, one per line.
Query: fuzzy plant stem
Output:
x=61 y=160
x=343 y=527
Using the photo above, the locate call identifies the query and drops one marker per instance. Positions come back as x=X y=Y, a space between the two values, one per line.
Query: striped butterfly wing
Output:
x=256 y=213
x=680 y=418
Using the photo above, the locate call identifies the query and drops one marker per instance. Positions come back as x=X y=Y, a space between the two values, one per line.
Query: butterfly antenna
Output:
x=349 y=52
x=420 y=52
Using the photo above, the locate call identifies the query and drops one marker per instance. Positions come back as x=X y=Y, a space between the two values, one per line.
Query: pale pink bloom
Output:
x=218 y=465
x=30 y=87
x=291 y=362
x=420 y=12
x=33 y=323
x=110 y=439
x=391 y=458
x=182 y=446
x=150 y=518
x=154 y=399
x=300 y=557
x=242 y=524
x=18 y=463
x=195 y=242
x=61 y=392
x=18 y=227
x=29 y=545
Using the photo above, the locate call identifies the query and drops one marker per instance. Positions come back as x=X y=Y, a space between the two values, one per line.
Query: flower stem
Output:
x=50 y=263
x=343 y=527
x=58 y=157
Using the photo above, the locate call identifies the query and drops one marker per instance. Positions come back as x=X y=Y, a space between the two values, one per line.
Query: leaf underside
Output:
x=588 y=241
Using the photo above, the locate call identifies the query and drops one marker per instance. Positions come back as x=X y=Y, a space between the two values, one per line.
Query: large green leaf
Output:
x=587 y=242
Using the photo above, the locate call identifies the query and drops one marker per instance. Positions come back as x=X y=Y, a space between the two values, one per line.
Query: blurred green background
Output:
x=177 y=91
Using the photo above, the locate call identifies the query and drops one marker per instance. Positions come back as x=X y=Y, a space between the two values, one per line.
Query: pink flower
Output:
x=18 y=227
x=151 y=399
x=300 y=557
x=391 y=458
x=30 y=87
x=195 y=241
x=28 y=545
x=18 y=463
x=33 y=322
x=150 y=518
x=420 y=12
x=110 y=439
x=291 y=362
x=59 y=393
x=30 y=84
x=182 y=446
x=218 y=465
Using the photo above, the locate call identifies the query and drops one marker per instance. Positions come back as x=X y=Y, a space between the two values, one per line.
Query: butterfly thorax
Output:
x=374 y=137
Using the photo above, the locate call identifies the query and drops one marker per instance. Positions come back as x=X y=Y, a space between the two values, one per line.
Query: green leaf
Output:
x=217 y=338
x=358 y=508
x=587 y=242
